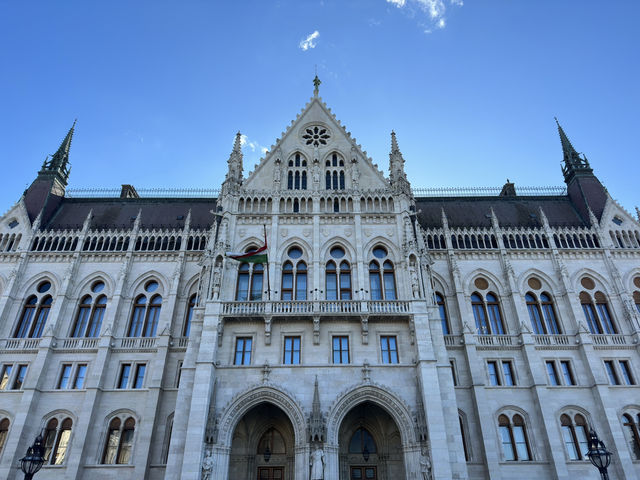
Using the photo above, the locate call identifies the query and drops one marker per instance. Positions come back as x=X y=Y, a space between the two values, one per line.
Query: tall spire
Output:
x=59 y=161
x=317 y=428
x=234 y=172
x=573 y=162
x=397 y=176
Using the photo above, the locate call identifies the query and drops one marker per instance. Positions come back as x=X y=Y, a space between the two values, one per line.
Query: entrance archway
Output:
x=370 y=445
x=262 y=446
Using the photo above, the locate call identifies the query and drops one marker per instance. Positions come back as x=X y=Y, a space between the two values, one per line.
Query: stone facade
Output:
x=390 y=334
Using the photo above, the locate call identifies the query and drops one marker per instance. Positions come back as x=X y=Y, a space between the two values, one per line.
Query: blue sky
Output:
x=470 y=87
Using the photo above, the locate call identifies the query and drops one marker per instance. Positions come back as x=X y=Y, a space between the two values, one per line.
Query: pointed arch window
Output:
x=542 y=314
x=297 y=174
x=636 y=299
x=338 y=280
x=335 y=179
x=145 y=316
x=382 y=280
x=443 y=313
x=631 y=432
x=574 y=435
x=513 y=436
x=193 y=301
x=250 y=281
x=119 y=442
x=90 y=313
x=597 y=314
x=56 y=440
x=34 y=313
x=294 y=276
x=487 y=314
x=465 y=441
x=362 y=441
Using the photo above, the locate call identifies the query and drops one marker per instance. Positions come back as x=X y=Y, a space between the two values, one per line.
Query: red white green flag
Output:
x=258 y=255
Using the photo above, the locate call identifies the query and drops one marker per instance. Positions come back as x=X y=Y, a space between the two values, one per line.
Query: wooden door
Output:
x=270 y=473
x=363 y=473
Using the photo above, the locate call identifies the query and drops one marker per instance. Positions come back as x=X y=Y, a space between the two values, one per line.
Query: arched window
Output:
x=574 y=434
x=338 y=277
x=542 y=314
x=487 y=314
x=145 y=315
x=636 y=299
x=443 y=313
x=90 y=313
x=193 y=300
x=297 y=174
x=250 y=281
x=335 y=173
x=513 y=436
x=35 y=312
x=629 y=423
x=382 y=280
x=56 y=440
x=272 y=442
x=4 y=432
x=597 y=314
x=294 y=276
x=119 y=442
x=362 y=441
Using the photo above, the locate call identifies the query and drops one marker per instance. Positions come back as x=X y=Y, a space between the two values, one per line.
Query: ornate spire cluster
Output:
x=58 y=164
x=316 y=421
x=234 y=173
x=397 y=174
x=573 y=162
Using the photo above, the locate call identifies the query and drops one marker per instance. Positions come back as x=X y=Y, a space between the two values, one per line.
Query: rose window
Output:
x=316 y=136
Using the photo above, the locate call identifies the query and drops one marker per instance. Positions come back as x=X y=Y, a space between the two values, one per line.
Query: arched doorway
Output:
x=262 y=447
x=370 y=446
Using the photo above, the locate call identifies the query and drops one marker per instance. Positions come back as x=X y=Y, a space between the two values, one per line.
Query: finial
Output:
x=237 y=144
x=316 y=85
x=394 y=142
x=638 y=213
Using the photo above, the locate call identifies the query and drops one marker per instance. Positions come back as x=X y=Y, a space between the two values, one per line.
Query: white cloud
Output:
x=434 y=10
x=309 y=42
x=246 y=142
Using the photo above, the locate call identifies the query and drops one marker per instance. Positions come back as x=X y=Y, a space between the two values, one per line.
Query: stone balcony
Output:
x=299 y=308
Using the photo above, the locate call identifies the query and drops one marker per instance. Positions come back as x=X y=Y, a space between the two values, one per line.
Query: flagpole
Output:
x=268 y=281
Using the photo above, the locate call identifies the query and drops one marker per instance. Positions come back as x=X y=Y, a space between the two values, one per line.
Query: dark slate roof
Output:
x=511 y=211
x=116 y=213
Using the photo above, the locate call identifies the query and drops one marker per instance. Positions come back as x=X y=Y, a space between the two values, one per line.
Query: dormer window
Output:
x=297 y=173
x=617 y=220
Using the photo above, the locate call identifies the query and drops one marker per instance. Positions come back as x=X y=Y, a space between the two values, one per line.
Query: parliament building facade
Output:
x=389 y=333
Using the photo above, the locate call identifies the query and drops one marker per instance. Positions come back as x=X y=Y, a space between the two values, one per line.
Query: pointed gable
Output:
x=310 y=142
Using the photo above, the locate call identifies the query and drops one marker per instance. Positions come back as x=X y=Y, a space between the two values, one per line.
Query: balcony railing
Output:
x=496 y=340
x=133 y=343
x=316 y=307
x=551 y=340
x=611 y=339
x=78 y=343
x=21 y=344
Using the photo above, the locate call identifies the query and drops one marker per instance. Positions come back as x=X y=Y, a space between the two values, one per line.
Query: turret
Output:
x=583 y=187
x=47 y=190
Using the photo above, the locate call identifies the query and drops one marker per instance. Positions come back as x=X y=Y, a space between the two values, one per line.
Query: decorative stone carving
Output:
x=415 y=285
x=207 y=466
x=425 y=465
x=266 y=371
x=366 y=372
x=316 y=462
x=317 y=428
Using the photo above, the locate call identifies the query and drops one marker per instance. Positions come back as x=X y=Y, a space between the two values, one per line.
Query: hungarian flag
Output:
x=259 y=255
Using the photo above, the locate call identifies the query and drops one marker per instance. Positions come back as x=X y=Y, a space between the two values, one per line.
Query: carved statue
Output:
x=355 y=174
x=415 y=285
x=207 y=466
x=316 y=172
x=276 y=174
x=425 y=465
x=316 y=462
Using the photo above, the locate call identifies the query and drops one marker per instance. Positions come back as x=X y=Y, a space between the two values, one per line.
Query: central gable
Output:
x=316 y=151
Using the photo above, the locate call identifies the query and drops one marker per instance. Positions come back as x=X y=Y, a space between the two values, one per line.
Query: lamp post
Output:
x=599 y=456
x=32 y=462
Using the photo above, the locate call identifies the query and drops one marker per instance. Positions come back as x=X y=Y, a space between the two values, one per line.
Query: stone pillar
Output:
x=332 y=462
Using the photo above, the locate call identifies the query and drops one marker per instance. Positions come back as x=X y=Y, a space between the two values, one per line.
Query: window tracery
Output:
x=334 y=173
x=35 y=313
x=146 y=313
x=297 y=173
x=90 y=312
x=487 y=314
x=382 y=281
x=542 y=314
x=119 y=442
x=316 y=135
x=513 y=437
x=56 y=438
